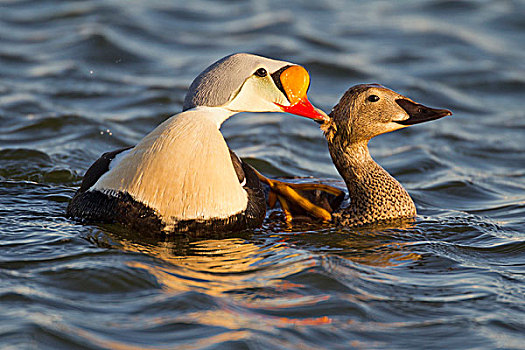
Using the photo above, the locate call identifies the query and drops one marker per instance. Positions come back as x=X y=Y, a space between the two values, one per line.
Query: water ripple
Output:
x=81 y=78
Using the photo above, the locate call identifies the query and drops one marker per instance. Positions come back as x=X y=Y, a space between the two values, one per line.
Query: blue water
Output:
x=79 y=78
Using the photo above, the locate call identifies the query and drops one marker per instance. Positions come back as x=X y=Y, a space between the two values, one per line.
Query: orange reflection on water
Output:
x=250 y=281
x=220 y=266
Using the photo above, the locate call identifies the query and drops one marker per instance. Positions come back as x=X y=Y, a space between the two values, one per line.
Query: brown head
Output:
x=368 y=110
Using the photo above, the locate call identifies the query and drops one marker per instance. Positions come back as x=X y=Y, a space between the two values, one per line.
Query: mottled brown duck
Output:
x=374 y=196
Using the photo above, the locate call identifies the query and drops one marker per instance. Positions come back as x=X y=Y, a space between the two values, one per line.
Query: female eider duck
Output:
x=364 y=111
x=182 y=176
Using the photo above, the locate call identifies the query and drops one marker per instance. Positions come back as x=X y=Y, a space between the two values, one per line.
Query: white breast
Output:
x=182 y=169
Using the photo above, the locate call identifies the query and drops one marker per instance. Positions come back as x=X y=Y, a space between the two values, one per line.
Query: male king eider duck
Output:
x=364 y=111
x=182 y=176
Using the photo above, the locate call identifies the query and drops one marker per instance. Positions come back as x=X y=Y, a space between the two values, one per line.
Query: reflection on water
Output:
x=257 y=277
x=230 y=261
x=382 y=244
x=221 y=266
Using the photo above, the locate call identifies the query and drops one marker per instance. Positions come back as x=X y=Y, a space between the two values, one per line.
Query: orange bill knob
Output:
x=296 y=81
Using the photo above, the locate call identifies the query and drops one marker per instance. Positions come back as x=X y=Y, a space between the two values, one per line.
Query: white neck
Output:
x=216 y=115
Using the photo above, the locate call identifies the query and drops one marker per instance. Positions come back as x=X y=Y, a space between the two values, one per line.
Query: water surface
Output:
x=79 y=78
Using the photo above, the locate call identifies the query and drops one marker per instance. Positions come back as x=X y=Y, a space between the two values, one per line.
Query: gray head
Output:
x=249 y=83
x=368 y=110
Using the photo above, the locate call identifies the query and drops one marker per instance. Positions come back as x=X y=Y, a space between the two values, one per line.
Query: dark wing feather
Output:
x=99 y=168
x=256 y=209
x=237 y=165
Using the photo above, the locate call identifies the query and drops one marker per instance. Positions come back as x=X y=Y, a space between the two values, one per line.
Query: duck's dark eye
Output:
x=373 y=98
x=261 y=72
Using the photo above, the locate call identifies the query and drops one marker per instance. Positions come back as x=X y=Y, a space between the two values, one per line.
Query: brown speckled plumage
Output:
x=374 y=194
x=363 y=112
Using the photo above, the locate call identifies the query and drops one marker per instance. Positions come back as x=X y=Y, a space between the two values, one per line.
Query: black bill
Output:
x=419 y=113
